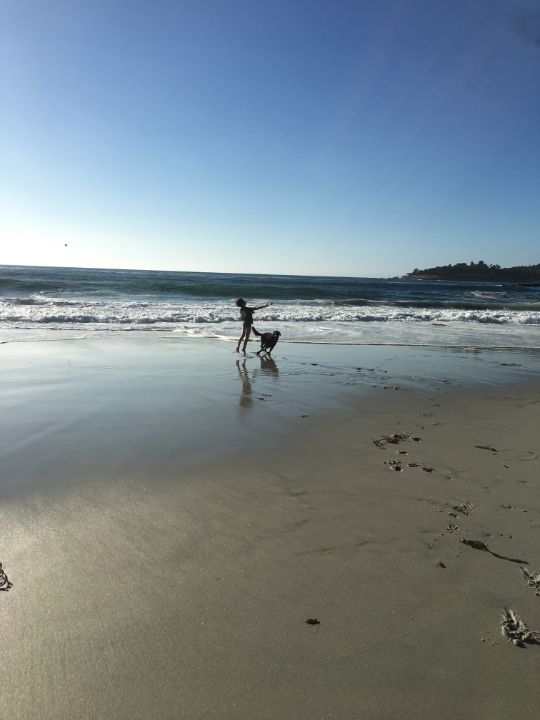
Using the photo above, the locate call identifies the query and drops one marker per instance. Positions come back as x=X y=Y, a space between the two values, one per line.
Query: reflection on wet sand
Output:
x=246 y=399
x=267 y=368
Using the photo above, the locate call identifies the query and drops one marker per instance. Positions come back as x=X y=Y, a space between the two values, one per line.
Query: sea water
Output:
x=46 y=303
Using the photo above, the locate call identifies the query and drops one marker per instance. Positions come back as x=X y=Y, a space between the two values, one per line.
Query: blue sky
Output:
x=310 y=137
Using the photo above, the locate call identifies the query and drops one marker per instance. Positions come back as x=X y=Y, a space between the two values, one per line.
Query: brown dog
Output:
x=268 y=340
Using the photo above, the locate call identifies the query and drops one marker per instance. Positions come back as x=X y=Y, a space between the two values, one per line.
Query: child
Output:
x=246 y=314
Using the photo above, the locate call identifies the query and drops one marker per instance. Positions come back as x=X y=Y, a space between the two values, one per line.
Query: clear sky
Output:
x=281 y=136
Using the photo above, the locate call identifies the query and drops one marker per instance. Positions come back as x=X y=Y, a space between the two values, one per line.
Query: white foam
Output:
x=298 y=321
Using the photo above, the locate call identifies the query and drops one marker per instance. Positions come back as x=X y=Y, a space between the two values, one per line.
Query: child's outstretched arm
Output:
x=260 y=307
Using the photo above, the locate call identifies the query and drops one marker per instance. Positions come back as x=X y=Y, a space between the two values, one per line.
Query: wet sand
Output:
x=167 y=537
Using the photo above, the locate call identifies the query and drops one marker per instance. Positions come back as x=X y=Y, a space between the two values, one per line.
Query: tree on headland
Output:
x=478 y=271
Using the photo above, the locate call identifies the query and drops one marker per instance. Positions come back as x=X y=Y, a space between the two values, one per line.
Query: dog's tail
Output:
x=257 y=333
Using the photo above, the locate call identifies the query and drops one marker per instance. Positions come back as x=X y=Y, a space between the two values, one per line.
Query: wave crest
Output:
x=68 y=312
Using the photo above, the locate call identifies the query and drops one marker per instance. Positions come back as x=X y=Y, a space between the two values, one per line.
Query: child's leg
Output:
x=246 y=337
x=241 y=338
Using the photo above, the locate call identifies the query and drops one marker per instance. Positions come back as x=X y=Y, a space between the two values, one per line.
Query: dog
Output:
x=268 y=340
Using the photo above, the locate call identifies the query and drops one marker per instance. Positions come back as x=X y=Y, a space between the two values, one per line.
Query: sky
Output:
x=316 y=137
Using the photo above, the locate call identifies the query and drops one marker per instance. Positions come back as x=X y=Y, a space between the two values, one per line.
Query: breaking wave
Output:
x=67 y=312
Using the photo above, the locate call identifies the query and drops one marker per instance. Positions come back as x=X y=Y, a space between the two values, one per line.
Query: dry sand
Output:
x=185 y=595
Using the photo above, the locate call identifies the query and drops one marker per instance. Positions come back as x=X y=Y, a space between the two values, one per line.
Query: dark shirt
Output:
x=246 y=314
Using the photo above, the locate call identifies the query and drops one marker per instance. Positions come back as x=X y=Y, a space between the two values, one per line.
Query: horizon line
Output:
x=200 y=272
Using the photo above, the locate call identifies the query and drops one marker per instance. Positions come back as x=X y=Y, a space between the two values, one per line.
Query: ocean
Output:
x=47 y=303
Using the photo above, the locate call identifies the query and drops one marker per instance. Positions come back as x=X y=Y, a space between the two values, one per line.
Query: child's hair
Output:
x=240 y=302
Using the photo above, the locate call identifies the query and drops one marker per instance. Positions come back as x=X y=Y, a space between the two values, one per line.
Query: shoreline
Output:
x=438 y=334
x=148 y=582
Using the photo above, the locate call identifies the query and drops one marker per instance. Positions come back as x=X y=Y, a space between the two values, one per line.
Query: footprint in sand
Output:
x=5 y=584
x=394 y=439
x=515 y=630
x=394 y=465
x=532 y=579
x=465 y=508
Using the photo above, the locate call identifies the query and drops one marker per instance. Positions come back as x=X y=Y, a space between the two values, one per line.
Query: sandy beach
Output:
x=172 y=514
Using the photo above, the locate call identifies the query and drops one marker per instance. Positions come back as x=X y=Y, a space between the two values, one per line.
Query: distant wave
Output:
x=451 y=304
x=28 y=285
x=185 y=285
x=356 y=303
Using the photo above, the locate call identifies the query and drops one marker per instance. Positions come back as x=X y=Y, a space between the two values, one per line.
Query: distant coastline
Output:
x=480 y=271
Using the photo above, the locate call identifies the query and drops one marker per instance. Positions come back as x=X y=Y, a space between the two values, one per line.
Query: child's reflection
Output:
x=268 y=367
x=246 y=399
